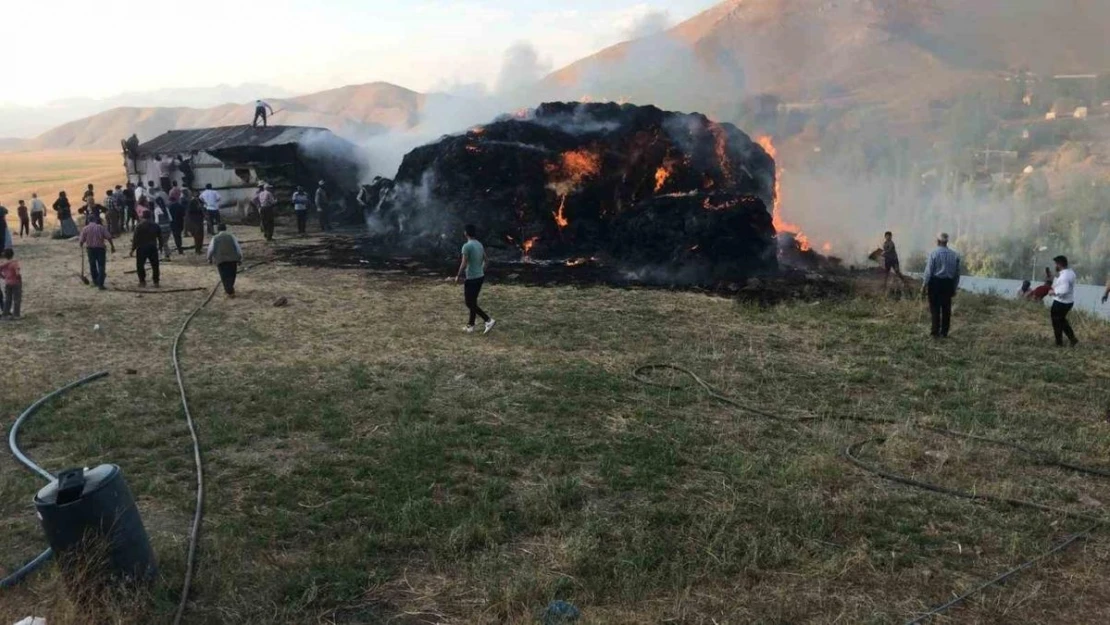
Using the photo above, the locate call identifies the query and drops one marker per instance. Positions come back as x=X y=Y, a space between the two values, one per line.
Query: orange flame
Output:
x=580 y=164
x=661 y=176
x=529 y=244
x=780 y=224
x=720 y=140
x=560 y=219
x=565 y=177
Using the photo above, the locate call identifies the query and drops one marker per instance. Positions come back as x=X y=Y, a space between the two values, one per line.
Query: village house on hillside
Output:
x=235 y=159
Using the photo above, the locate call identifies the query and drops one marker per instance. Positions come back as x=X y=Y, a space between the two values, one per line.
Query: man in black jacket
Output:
x=144 y=246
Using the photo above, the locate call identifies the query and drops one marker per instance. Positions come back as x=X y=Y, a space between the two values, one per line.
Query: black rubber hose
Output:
x=852 y=451
x=13 y=444
x=937 y=611
x=25 y=570
x=198 y=514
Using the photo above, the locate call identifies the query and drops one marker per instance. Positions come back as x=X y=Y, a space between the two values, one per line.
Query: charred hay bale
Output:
x=695 y=238
x=632 y=182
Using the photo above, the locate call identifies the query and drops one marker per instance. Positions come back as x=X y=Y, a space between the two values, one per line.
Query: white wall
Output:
x=207 y=169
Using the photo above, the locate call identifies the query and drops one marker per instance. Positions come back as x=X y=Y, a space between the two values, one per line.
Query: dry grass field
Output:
x=369 y=463
x=46 y=173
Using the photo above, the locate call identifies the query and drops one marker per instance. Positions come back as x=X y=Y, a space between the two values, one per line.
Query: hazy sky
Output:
x=97 y=48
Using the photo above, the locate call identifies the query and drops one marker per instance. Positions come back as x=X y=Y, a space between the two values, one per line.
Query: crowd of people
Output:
x=158 y=218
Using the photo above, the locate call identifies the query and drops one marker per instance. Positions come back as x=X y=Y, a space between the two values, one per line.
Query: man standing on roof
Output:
x=260 y=109
x=322 y=205
x=211 y=201
x=267 y=209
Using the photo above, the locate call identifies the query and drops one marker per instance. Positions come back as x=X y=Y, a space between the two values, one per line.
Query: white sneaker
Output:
x=469 y=329
x=489 y=326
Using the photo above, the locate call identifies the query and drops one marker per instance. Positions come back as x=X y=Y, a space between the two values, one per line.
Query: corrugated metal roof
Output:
x=208 y=139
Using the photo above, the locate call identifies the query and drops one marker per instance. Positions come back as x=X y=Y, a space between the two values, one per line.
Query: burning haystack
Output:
x=673 y=197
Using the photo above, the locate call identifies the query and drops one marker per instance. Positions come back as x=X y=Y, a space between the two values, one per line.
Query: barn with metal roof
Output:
x=236 y=159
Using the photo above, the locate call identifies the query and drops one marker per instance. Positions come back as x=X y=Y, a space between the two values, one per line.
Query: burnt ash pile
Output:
x=673 y=198
x=346 y=251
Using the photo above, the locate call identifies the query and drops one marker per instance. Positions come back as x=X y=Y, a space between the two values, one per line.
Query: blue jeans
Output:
x=98 y=264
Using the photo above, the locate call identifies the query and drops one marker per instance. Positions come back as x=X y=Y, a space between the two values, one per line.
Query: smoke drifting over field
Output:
x=880 y=110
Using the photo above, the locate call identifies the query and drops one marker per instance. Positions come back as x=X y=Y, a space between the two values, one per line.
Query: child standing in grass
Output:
x=13 y=286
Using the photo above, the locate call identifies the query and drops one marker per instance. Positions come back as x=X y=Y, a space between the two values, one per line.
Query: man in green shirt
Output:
x=473 y=267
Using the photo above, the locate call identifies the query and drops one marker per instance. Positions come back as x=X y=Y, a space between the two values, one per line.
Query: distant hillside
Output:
x=25 y=122
x=354 y=111
x=892 y=53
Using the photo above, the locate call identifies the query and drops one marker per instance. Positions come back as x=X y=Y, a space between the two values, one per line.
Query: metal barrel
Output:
x=92 y=523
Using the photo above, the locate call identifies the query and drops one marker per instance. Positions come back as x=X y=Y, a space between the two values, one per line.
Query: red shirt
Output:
x=1040 y=292
x=9 y=272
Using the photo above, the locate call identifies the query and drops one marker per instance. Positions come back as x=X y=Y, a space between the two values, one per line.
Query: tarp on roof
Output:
x=226 y=137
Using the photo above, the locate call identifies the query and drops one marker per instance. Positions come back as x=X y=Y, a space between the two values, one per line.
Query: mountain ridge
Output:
x=353 y=110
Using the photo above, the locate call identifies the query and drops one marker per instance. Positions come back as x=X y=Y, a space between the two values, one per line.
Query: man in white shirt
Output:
x=267 y=208
x=1063 y=300
x=300 y=207
x=211 y=201
x=38 y=211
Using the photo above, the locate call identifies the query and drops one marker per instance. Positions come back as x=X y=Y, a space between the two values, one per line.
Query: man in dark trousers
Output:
x=267 y=210
x=1063 y=300
x=144 y=247
x=24 y=219
x=323 y=205
x=94 y=238
x=941 y=279
x=260 y=109
x=194 y=223
x=130 y=202
x=300 y=209
x=473 y=268
x=890 y=260
x=225 y=252
x=177 y=219
x=38 y=212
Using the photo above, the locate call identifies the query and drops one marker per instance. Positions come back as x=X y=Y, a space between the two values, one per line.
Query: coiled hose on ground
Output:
x=13 y=443
x=851 y=454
